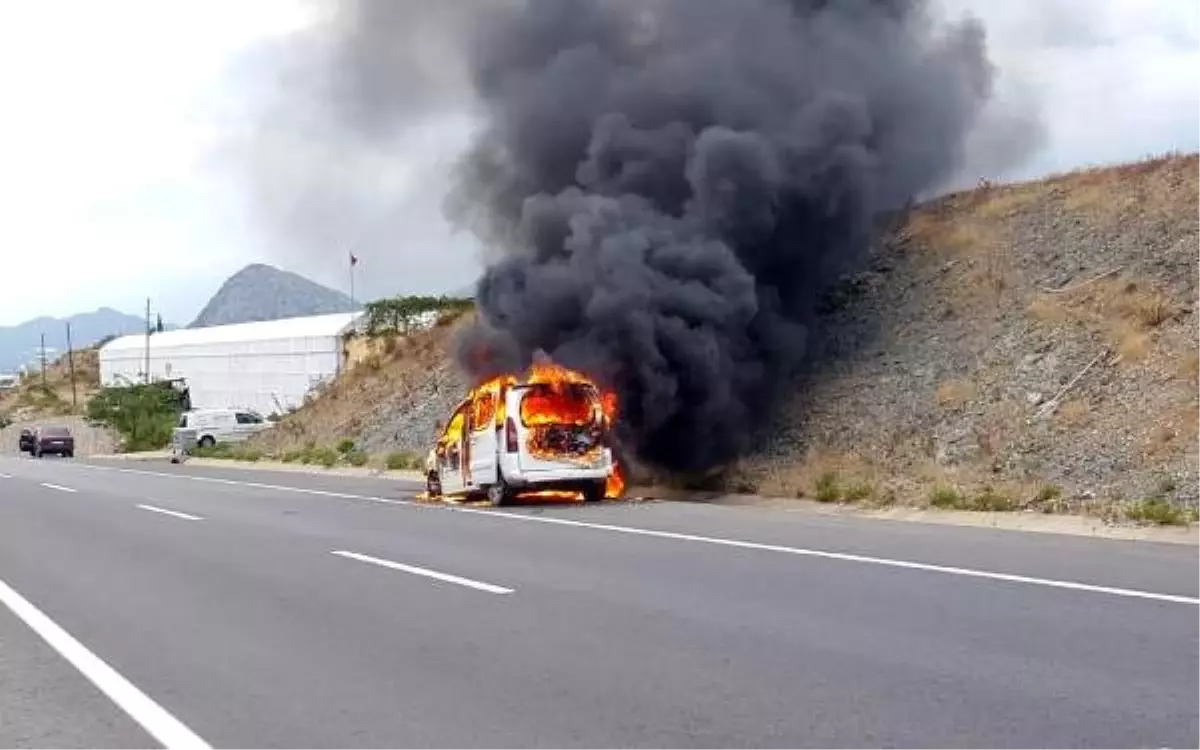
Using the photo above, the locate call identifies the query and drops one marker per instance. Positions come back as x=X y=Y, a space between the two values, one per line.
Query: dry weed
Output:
x=825 y=475
x=952 y=394
x=1129 y=342
x=1048 y=309
x=1076 y=412
x=1189 y=366
x=1150 y=309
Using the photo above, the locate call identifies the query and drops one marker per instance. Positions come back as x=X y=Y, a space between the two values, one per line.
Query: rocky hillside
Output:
x=262 y=292
x=1027 y=345
x=1019 y=345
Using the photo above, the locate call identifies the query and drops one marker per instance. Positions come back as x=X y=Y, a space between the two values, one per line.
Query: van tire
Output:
x=206 y=442
x=433 y=486
x=499 y=493
x=594 y=492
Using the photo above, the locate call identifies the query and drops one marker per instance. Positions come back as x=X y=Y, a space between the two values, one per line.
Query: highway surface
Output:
x=144 y=604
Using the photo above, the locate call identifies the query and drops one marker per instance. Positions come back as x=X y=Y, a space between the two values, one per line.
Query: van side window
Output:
x=248 y=418
x=453 y=438
x=454 y=430
x=483 y=411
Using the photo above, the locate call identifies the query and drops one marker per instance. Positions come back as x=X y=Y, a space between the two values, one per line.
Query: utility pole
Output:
x=147 y=340
x=43 y=358
x=71 y=365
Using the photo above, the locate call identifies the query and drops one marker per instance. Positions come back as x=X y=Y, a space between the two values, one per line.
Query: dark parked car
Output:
x=56 y=440
x=26 y=441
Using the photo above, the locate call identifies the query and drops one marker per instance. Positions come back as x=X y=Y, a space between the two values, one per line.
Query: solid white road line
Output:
x=58 y=487
x=152 y=717
x=736 y=543
x=480 y=585
x=175 y=513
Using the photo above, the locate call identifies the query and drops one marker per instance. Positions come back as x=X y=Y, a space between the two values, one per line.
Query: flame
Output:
x=615 y=486
x=552 y=495
x=558 y=417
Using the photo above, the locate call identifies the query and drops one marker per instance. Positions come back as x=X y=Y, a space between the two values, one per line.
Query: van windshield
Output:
x=566 y=404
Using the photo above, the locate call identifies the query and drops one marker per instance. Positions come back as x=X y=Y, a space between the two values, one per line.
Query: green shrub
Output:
x=5 y=420
x=1048 y=493
x=397 y=314
x=856 y=493
x=990 y=499
x=345 y=445
x=827 y=489
x=402 y=460
x=324 y=456
x=292 y=456
x=143 y=415
x=1158 y=511
x=356 y=458
x=246 y=453
x=946 y=497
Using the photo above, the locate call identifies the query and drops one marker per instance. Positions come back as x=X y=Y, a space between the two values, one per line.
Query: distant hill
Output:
x=262 y=292
x=19 y=344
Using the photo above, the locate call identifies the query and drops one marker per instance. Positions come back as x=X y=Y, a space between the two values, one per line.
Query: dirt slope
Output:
x=390 y=402
x=1011 y=346
x=1031 y=344
x=31 y=404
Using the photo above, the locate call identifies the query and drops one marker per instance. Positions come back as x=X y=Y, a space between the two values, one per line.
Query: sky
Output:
x=137 y=133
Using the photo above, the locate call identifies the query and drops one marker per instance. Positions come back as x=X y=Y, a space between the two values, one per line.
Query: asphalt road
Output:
x=148 y=604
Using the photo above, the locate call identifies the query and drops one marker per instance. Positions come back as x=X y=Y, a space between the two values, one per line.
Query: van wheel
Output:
x=206 y=442
x=499 y=493
x=433 y=487
x=594 y=492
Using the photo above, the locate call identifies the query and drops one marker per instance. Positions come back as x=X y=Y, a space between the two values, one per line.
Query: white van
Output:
x=510 y=439
x=207 y=427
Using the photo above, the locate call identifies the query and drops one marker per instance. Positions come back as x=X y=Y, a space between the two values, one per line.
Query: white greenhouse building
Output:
x=265 y=367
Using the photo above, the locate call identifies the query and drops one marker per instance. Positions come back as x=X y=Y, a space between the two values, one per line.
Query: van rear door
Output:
x=556 y=426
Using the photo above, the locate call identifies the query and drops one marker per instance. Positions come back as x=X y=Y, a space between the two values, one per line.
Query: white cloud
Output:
x=106 y=197
x=1115 y=79
x=117 y=125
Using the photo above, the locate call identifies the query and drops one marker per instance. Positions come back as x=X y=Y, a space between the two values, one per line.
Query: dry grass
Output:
x=1127 y=311
x=1148 y=309
x=1076 y=412
x=1048 y=309
x=1130 y=342
x=31 y=400
x=953 y=394
x=1174 y=433
x=826 y=476
x=1189 y=366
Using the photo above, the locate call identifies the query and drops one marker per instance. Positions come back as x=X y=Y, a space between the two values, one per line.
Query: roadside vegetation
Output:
x=343 y=453
x=144 y=415
x=399 y=315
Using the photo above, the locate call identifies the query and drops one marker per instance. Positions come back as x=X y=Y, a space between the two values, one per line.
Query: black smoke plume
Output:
x=671 y=184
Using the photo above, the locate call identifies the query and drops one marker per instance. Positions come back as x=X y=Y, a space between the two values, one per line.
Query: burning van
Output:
x=547 y=434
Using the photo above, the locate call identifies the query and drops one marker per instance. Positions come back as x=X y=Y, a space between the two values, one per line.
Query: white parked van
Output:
x=512 y=438
x=207 y=427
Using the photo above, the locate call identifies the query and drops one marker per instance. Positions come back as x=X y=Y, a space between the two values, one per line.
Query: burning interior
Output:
x=567 y=415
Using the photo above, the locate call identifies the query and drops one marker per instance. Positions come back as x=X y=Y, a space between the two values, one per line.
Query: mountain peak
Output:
x=21 y=344
x=263 y=292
